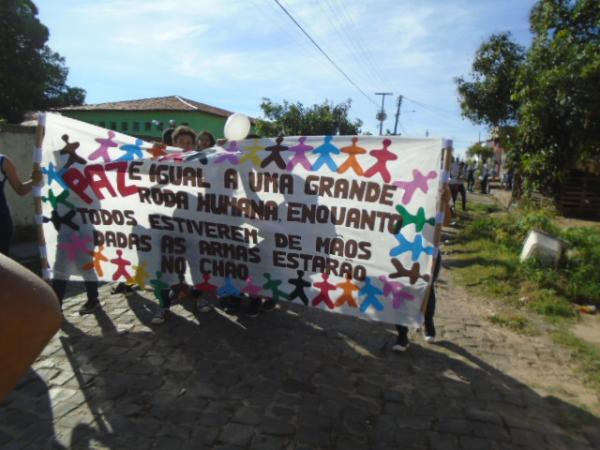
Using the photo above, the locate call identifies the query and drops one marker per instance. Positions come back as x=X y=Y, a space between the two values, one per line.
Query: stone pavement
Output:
x=293 y=379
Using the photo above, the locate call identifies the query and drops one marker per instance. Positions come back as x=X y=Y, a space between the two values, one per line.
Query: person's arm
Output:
x=19 y=186
x=29 y=317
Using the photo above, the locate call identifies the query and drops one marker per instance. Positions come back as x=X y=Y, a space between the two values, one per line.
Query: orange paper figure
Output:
x=352 y=162
x=97 y=258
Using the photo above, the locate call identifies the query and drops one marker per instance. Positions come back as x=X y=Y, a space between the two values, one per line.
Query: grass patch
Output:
x=514 y=322
x=585 y=354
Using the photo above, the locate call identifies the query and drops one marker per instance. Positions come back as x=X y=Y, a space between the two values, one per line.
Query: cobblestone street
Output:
x=293 y=379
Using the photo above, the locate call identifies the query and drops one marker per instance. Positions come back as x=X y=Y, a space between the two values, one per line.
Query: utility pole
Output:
x=381 y=115
x=397 y=115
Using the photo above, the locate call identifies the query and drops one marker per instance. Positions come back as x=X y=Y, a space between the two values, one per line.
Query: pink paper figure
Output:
x=324 y=286
x=105 y=145
x=97 y=259
x=233 y=151
x=122 y=264
x=383 y=156
x=251 y=289
x=205 y=286
x=299 y=157
x=77 y=246
x=419 y=181
x=396 y=289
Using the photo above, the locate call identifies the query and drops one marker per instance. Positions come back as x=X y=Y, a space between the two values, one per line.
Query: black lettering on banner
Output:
x=231 y=179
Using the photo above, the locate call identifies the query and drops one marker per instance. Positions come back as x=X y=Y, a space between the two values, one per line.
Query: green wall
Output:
x=125 y=121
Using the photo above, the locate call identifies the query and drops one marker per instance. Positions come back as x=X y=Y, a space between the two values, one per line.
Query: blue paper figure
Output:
x=416 y=247
x=228 y=289
x=132 y=151
x=370 y=292
x=325 y=151
x=55 y=175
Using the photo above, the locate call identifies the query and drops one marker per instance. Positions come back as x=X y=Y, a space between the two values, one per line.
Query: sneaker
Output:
x=160 y=316
x=89 y=307
x=401 y=344
x=430 y=339
x=254 y=308
x=269 y=305
x=202 y=305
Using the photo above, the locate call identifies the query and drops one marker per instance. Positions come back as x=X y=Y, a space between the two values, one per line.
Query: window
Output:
x=147 y=126
x=136 y=126
x=124 y=126
x=159 y=126
x=113 y=125
x=102 y=124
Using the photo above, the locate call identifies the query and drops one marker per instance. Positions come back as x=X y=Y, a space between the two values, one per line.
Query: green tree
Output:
x=487 y=98
x=295 y=119
x=32 y=76
x=558 y=90
x=480 y=150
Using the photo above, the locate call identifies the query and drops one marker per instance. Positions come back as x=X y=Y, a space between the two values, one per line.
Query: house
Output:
x=147 y=118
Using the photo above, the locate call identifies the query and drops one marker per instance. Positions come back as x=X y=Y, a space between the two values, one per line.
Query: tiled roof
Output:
x=171 y=103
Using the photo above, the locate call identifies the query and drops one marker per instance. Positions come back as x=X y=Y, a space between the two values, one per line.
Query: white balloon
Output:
x=237 y=127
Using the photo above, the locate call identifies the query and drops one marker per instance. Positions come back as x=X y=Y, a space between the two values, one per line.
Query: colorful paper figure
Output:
x=97 y=259
x=325 y=151
x=141 y=275
x=415 y=247
x=132 y=151
x=299 y=157
x=348 y=288
x=55 y=175
x=231 y=155
x=181 y=290
x=352 y=161
x=324 y=287
x=383 y=156
x=419 y=181
x=159 y=288
x=121 y=264
x=251 y=153
x=396 y=290
x=299 y=284
x=105 y=146
x=413 y=274
x=275 y=154
x=77 y=246
x=273 y=286
x=418 y=219
x=157 y=150
x=58 y=221
x=370 y=292
x=251 y=289
x=70 y=150
x=206 y=286
x=55 y=200
x=228 y=289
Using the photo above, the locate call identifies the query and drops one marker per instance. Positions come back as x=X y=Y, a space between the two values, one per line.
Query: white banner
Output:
x=341 y=223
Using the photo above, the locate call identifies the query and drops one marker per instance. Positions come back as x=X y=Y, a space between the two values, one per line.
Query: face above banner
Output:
x=340 y=223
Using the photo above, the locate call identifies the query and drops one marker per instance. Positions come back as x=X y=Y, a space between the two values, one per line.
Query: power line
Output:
x=324 y=53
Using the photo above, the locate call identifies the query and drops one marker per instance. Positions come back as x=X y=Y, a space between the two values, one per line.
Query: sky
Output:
x=232 y=53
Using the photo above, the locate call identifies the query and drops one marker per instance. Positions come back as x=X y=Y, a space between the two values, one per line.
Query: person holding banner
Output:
x=402 y=342
x=8 y=172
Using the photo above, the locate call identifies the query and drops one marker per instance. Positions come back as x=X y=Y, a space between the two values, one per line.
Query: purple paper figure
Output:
x=233 y=151
x=251 y=289
x=396 y=290
x=299 y=157
x=325 y=151
x=77 y=246
x=419 y=181
x=105 y=145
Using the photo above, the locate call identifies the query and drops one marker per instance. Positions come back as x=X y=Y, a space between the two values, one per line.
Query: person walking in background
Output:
x=485 y=178
x=470 y=177
x=8 y=172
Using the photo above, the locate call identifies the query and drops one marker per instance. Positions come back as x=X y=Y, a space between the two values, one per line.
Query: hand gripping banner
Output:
x=340 y=223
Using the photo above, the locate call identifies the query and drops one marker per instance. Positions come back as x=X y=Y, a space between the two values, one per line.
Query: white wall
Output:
x=17 y=142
